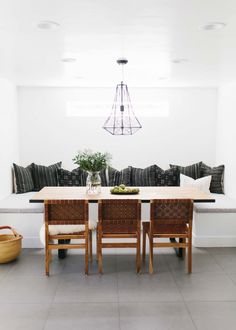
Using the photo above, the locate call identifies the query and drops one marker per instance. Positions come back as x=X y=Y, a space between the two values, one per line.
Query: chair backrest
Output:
x=66 y=212
x=171 y=211
x=119 y=216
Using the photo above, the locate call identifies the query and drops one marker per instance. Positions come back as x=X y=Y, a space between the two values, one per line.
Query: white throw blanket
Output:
x=64 y=229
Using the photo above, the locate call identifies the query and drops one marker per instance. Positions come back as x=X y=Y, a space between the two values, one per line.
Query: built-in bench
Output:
x=28 y=218
x=25 y=217
x=214 y=223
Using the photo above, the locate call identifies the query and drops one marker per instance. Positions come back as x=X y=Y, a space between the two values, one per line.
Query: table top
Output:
x=145 y=194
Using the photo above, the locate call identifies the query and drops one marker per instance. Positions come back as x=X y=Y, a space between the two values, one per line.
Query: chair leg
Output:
x=138 y=256
x=91 y=245
x=144 y=244
x=86 y=252
x=189 y=255
x=99 y=249
x=150 y=254
x=97 y=245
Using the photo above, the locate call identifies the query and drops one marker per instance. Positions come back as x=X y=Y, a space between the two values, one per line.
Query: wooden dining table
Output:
x=146 y=194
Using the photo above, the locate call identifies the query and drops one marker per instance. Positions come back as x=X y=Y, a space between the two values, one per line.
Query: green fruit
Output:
x=122 y=186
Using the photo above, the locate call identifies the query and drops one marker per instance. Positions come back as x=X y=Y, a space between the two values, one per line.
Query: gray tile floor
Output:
x=120 y=299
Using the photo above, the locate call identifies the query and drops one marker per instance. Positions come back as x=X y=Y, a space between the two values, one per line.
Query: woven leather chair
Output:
x=119 y=219
x=67 y=212
x=170 y=218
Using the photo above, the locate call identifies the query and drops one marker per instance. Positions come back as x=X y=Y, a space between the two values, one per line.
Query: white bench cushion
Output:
x=19 y=203
x=223 y=204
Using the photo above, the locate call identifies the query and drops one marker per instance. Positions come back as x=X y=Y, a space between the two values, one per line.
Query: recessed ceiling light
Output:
x=78 y=77
x=48 y=25
x=68 y=59
x=179 y=60
x=213 y=26
x=162 y=78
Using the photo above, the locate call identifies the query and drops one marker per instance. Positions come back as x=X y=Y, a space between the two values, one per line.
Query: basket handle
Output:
x=10 y=228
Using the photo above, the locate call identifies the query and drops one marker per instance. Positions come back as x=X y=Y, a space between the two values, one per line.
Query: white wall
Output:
x=226 y=136
x=186 y=135
x=8 y=135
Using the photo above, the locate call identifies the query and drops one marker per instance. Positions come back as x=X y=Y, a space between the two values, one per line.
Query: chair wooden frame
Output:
x=119 y=219
x=67 y=212
x=174 y=221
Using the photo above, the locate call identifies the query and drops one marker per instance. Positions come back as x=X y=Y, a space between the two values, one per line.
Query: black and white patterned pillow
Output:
x=23 y=179
x=168 y=177
x=77 y=177
x=217 y=177
x=194 y=170
x=115 y=177
x=143 y=177
x=45 y=175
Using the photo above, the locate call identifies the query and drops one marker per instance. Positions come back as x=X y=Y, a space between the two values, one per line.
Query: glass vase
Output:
x=93 y=183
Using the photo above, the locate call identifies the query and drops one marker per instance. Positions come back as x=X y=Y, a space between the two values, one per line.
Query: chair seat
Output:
x=67 y=229
x=166 y=229
x=64 y=229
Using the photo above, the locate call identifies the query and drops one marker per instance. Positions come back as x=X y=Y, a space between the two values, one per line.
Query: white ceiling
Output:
x=150 y=33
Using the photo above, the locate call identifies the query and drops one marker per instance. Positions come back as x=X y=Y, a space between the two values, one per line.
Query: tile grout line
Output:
x=53 y=299
x=185 y=304
x=118 y=296
x=224 y=271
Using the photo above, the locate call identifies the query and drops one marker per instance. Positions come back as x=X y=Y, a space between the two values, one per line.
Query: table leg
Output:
x=179 y=252
x=62 y=253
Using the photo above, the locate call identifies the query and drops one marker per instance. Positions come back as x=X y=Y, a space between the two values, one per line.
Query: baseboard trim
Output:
x=214 y=241
x=31 y=243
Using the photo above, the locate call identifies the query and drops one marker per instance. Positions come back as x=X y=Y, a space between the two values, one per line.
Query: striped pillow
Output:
x=143 y=177
x=217 y=180
x=194 y=170
x=103 y=175
x=115 y=177
x=23 y=179
x=45 y=175
x=169 y=177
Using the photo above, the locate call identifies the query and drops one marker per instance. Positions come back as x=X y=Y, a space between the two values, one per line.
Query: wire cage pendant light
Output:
x=122 y=119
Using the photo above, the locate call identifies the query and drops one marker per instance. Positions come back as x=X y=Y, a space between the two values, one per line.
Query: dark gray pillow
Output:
x=217 y=177
x=115 y=177
x=23 y=179
x=194 y=170
x=143 y=177
x=70 y=178
x=169 y=177
x=45 y=175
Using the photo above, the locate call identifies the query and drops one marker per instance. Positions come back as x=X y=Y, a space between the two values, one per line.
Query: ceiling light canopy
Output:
x=179 y=60
x=48 y=25
x=68 y=59
x=211 y=26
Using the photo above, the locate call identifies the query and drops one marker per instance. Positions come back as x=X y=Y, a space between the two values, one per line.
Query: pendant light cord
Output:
x=122 y=72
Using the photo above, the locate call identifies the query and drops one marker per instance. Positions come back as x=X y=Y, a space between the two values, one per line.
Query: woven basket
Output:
x=10 y=245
